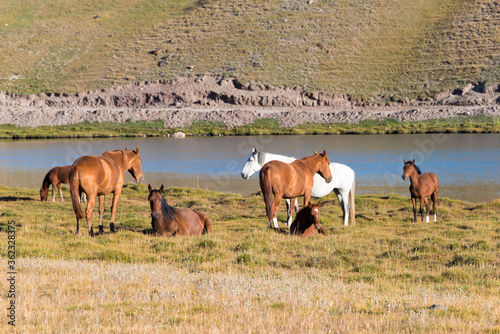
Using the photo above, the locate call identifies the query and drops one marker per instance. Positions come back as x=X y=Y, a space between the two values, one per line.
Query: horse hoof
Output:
x=91 y=233
x=112 y=227
x=101 y=229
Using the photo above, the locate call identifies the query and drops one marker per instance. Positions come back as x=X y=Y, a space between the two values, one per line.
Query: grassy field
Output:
x=390 y=49
x=381 y=275
x=267 y=126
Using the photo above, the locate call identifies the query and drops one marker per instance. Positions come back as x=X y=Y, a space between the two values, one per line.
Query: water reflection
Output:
x=466 y=164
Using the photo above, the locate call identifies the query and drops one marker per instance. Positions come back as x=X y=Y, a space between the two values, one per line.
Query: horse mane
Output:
x=168 y=211
x=417 y=169
x=261 y=157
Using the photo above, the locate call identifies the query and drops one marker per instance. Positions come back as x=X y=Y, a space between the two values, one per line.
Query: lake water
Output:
x=466 y=164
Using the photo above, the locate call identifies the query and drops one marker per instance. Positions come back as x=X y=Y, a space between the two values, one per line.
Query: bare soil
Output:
x=208 y=98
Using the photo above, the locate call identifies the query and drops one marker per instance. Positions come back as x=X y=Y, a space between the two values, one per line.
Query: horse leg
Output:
x=414 y=202
x=288 y=211
x=434 y=204
x=293 y=202
x=427 y=207
x=53 y=192
x=422 y=200
x=101 y=213
x=116 y=195
x=276 y=203
x=88 y=213
x=60 y=192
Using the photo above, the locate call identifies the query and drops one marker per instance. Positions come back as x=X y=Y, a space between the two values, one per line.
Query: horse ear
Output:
x=161 y=189
x=137 y=150
x=126 y=149
x=315 y=152
x=324 y=153
x=254 y=150
x=404 y=161
x=149 y=188
x=413 y=162
x=319 y=203
x=310 y=204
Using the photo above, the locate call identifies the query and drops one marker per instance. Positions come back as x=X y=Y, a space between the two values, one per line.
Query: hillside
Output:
x=388 y=49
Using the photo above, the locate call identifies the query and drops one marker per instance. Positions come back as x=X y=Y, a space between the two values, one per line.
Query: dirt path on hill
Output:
x=210 y=98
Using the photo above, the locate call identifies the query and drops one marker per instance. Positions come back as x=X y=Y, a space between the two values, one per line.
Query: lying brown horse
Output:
x=55 y=177
x=421 y=186
x=291 y=181
x=168 y=221
x=307 y=221
x=98 y=176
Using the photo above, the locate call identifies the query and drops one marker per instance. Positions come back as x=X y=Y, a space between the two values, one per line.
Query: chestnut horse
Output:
x=168 y=221
x=307 y=221
x=55 y=177
x=98 y=176
x=291 y=181
x=421 y=186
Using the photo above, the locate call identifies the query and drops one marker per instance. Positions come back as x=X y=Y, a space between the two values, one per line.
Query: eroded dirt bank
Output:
x=210 y=98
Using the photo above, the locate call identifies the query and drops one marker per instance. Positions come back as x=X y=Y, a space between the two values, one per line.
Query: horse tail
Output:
x=352 y=211
x=74 y=189
x=44 y=191
x=266 y=188
x=207 y=224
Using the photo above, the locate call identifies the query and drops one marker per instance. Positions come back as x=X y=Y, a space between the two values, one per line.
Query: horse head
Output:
x=43 y=194
x=315 y=214
x=134 y=164
x=324 y=166
x=409 y=168
x=154 y=199
x=252 y=165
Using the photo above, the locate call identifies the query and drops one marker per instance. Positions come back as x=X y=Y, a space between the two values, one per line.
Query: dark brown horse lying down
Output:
x=55 y=177
x=168 y=221
x=98 y=176
x=307 y=221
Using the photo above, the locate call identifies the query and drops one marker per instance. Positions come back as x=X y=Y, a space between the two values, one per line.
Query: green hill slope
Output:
x=364 y=48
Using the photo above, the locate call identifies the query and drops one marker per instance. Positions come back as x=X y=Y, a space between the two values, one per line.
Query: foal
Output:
x=421 y=186
x=307 y=221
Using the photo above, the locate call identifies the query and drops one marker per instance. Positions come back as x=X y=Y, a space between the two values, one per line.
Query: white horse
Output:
x=343 y=182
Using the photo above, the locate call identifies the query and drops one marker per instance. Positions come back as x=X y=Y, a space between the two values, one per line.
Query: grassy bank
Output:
x=267 y=126
x=382 y=274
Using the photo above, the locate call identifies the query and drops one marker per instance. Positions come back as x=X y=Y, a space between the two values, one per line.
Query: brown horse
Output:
x=98 y=176
x=291 y=181
x=168 y=221
x=55 y=177
x=421 y=186
x=307 y=221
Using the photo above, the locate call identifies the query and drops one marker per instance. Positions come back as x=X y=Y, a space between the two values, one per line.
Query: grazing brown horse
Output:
x=291 y=181
x=55 y=177
x=98 y=176
x=421 y=186
x=168 y=221
x=307 y=221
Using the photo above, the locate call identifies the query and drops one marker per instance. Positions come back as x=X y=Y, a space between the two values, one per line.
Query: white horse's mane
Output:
x=263 y=157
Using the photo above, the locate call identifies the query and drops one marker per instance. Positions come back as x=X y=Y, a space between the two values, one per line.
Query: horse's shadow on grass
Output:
x=15 y=199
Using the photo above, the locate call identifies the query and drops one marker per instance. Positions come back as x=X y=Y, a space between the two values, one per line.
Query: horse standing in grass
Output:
x=55 y=177
x=307 y=221
x=98 y=176
x=343 y=182
x=168 y=221
x=291 y=181
x=421 y=186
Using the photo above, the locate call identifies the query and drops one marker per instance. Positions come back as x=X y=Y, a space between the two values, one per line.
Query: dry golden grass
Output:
x=381 y=275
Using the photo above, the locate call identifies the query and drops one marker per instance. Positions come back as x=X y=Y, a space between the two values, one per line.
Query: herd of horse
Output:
x=279 y=177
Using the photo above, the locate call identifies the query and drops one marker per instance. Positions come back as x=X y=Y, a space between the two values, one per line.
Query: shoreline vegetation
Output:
x=265 y=126
x=382 y=275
